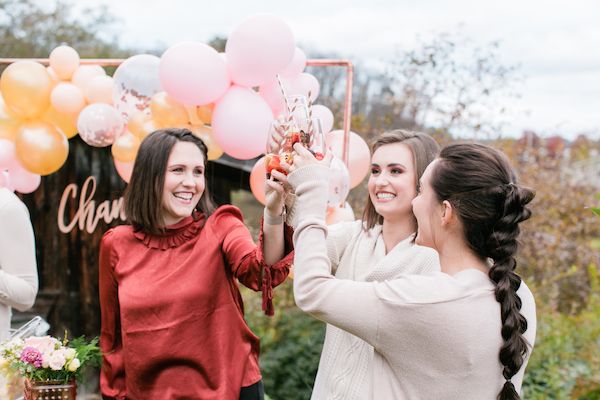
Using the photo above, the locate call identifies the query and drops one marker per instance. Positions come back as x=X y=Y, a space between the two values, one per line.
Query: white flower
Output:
x=70 y=353
x=56 y=361
x=74 y=364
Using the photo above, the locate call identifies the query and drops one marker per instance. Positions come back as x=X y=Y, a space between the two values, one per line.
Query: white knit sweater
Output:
x=18 y=268
x=435 y=336
x=345 y=369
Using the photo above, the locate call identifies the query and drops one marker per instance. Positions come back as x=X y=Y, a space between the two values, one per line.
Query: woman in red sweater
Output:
x=172 y=316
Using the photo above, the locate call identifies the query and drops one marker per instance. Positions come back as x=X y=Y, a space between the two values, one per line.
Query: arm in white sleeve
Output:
x=18 y=268
x=351 y=306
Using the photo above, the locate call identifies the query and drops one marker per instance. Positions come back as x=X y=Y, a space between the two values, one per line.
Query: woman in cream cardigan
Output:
x=463 y=333
x=18 y=268
x=377 y=248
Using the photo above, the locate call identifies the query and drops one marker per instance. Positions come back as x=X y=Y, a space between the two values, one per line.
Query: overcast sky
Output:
x=557 y=43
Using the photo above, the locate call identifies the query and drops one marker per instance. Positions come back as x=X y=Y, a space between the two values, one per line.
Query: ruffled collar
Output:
x=175 y=235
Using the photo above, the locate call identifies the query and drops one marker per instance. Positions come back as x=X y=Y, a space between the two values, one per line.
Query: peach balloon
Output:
x=141 y=125
x=64 y=60
x=166 y=112
x=9 y=122
x=22 y=180
x=40 y=148
x=205 y=133
x=65 y=123
x=55 y=79
x=258 y=178
x=205 y=113
x=359 y=159
x=26 y=87
x=125 y=147
x=124 y=169
x=84 y=73
x=67 y=98
x=99 y=90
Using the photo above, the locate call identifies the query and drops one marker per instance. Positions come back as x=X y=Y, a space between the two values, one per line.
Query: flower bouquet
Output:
x=50 y=366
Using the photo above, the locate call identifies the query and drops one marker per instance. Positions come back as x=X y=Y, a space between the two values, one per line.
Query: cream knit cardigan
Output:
x=434 y=336
x=18 y=268
x=345 y=369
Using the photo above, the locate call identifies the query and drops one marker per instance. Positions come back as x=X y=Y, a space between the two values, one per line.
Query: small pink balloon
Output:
x=100 y=124
x=258 y=48
x=67 y=98
x=241 y=121
x=4 y=179
x=325 y=115
x=257 y=180
x=193 y=73
x=99 y=90
x=304 y=84
x=64 y=60
x=7 y=154
x=296 y=66
x=84 y=74
x=339 y=182
x=124 y=169
x=271 y=93
x=22 y=180
x=359 y=159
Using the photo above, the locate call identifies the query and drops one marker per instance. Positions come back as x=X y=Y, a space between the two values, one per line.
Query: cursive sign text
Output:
x=87 y=215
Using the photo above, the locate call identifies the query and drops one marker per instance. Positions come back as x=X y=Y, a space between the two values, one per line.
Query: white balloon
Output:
x=136 y=81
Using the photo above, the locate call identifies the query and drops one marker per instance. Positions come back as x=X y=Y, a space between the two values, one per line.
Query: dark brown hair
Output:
x=481 y=186
x=143 y=196
x=424 y=150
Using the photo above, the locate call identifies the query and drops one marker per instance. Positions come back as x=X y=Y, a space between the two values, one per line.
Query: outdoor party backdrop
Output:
x=69 y=133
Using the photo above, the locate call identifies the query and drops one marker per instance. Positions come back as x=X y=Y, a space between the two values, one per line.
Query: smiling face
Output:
x=392 y=183
x=184 y=182
x=428 y=211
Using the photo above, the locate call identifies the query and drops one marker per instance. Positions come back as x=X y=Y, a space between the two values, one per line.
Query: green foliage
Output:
x=565 y=360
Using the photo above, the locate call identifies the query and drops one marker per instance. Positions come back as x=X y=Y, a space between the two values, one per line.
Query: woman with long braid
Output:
x=463 y=333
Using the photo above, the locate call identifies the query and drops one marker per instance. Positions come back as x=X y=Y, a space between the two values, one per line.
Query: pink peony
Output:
x=31 y=356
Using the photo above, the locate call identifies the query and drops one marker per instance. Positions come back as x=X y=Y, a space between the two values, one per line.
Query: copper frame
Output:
x=108 y=62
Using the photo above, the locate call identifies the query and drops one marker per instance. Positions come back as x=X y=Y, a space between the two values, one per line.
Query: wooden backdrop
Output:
x=68 y=263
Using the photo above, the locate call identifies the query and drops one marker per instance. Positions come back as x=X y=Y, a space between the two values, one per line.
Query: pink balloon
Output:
x=258 y=48
x=7 y=154
x=359 y=159
x=271 y=93
x=124 y=169
x=325 y=115
x=193 y=73
x=64 y=60
x=304 y=84
x=4 y=180
x=296 y=66
x=22 y=180
x=100 y=124
x=67 y=98
x=339 y=183
x=240 y=122
x=257 y=180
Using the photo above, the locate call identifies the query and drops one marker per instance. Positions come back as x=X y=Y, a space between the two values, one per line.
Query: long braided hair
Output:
x=481 y=185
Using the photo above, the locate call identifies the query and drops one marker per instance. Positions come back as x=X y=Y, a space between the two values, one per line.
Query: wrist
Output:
x=273 y=218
